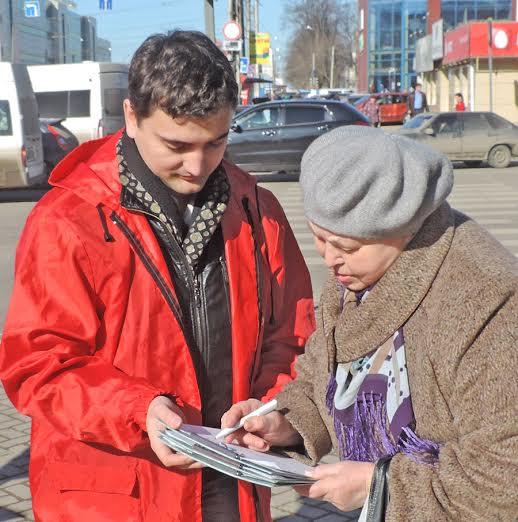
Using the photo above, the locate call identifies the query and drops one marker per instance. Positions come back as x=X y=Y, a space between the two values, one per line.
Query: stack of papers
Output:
x=265 y=469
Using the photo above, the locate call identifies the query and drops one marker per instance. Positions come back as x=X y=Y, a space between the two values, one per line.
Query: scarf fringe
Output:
x=368 y=437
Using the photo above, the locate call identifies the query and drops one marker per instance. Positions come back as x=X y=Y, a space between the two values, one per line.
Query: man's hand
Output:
x=345 y=484
x=261 y=432
x=163 y=410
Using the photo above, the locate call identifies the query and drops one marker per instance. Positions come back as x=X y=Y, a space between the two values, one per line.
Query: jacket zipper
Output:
x=258 y=284
x=194 y=286
x=148 y=263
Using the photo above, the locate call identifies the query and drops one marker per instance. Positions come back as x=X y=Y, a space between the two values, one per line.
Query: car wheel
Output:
x=499 y=157
x=473 y=163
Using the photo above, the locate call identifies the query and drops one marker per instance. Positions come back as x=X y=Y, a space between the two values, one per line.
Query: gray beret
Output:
x=363 y=182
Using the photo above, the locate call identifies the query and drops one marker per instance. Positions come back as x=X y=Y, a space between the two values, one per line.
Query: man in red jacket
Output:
x=154 y=284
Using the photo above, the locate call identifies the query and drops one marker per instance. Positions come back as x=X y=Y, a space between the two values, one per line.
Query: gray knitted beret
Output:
x=366 y=183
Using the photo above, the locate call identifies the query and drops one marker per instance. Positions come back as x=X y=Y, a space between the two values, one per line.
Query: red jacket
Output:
x=90 y=340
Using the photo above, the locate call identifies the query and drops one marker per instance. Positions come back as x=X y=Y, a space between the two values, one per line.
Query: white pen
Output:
x=262 y=410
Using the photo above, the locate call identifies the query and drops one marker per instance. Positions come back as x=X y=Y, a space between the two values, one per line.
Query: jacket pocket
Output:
x=111 y=493
x=102 y=479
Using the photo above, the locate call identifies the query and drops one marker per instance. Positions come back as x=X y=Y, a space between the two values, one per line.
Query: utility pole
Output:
x=256 y=16
x=210 y=30
x=11 y=20
x=247 y=29
x=332 y=80
x=490 y=61
x=235 y=12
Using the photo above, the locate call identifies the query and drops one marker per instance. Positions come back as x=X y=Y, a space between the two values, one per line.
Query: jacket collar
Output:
x=394 y=298
x=91 y=171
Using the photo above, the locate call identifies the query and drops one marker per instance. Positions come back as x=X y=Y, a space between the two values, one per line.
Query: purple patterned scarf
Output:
x=371 y=406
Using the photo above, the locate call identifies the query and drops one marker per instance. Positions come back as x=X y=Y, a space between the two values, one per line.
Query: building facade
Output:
x=483 y=69
x=58 y=35
x=389 y=31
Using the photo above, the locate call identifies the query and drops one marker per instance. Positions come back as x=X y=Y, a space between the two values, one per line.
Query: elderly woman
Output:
x=411 y=373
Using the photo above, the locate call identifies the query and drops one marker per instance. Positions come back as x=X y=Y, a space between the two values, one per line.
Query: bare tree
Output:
x=317 y=26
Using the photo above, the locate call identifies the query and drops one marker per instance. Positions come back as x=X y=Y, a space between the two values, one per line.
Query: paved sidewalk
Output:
x=15 y=497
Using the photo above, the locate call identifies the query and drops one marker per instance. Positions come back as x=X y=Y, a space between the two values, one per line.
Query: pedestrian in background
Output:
x=372 y=111
x=459 y=102
x=411 y=373
x=154 y=284
x=417 y=102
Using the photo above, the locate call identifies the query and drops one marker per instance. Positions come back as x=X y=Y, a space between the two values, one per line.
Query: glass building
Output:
x=455 y=12
x=394 y=28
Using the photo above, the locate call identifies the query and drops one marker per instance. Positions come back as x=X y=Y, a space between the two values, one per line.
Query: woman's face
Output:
x=357 y=263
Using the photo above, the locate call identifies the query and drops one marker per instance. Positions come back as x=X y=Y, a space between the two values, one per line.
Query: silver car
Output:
x=471 y=137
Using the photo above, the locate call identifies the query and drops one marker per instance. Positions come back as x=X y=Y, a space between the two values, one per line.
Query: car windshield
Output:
x=416 y=122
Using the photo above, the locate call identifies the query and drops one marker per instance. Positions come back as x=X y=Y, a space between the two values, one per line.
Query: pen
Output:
x=262 y=410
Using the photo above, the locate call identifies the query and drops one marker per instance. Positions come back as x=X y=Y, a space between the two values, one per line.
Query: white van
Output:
x=87 y=95
x=21 y=150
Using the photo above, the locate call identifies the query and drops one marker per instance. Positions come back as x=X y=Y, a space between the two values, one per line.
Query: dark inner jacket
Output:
x=204 y=302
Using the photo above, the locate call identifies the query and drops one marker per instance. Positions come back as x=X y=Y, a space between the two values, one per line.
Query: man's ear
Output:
x=130 y=118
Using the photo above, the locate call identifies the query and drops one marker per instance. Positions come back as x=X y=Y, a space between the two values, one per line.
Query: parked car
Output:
x=58 y=141
x=393 y=106
x=471 y=137
x=21 y=150
x=273 y=136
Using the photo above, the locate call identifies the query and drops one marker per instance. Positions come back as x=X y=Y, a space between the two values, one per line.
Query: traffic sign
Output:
x=243 y=65
x=31 y=8
x=233 y=45
x=232 y=31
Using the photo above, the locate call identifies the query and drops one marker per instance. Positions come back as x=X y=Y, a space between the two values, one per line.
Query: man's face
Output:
x=184 y=151
x=357 y=263
x=418 y=88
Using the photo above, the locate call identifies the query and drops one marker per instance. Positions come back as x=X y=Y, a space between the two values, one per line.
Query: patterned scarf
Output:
x=211 y=201
x=369 y=400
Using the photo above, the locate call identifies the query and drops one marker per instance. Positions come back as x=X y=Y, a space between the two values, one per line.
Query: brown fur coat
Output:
x=454 y=289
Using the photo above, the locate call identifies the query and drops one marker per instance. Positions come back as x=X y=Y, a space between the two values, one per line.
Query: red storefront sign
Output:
x=456 y=45
x=505 y=39
x=471 y=41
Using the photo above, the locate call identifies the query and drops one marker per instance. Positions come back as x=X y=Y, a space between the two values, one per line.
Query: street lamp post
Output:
x=490 y=61
x=313 y=79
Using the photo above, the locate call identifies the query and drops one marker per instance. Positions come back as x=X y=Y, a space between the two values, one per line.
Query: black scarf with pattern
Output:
x=157 y=199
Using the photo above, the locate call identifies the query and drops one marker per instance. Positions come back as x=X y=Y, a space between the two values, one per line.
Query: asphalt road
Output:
x=488 y=195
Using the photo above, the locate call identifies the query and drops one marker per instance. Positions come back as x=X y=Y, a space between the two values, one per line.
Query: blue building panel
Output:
x=394 y=26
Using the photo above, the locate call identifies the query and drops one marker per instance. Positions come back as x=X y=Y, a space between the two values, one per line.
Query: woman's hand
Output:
x=345 y=484
x=261 y=432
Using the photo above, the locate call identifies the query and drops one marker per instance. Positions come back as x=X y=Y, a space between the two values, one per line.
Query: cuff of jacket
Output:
x=305 y=418
x=142 y=406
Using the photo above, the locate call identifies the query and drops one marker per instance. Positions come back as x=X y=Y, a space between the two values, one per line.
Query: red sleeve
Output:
x=290 y=319
x=48 y=361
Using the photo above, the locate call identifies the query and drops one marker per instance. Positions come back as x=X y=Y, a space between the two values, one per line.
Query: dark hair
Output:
x=459 y=95
x=418 y=84
x=183 y=73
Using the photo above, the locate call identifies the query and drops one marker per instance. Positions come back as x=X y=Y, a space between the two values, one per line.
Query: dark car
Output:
x=273 y=136
x=471 y=137
x=57 y=140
